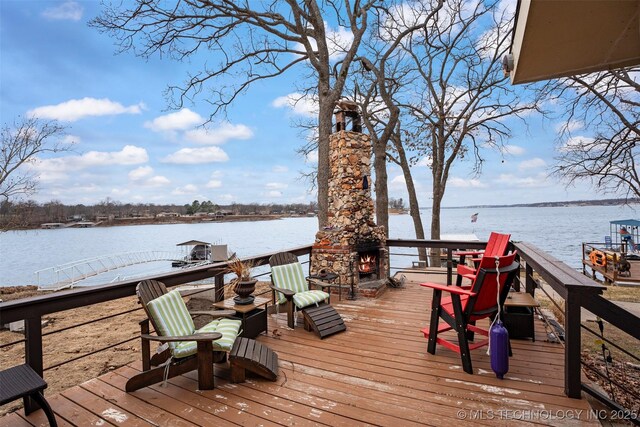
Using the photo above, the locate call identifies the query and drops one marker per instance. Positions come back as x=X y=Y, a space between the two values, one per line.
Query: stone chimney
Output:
x=351 y=245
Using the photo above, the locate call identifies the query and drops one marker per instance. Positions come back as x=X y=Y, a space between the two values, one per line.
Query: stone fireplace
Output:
x=351 y=245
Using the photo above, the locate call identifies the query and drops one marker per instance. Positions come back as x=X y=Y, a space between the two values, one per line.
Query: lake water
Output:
x=559 y=231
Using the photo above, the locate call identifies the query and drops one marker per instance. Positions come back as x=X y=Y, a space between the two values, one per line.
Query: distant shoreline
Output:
x=564 y=204
x=171 y=220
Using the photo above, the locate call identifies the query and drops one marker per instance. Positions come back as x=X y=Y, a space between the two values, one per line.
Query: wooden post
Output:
x=205 y=365
x=145 y=346
x=219 y=287
x=529 y=283
x=572 y=340
x=33 y=355
x=449 y=266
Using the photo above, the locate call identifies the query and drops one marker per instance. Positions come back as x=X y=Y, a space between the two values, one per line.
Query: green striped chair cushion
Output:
x=171 y=316
x=289 y=276
x=305 y=299
x=229 y=328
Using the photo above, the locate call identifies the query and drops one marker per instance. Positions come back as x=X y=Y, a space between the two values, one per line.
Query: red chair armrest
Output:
x=450 y=289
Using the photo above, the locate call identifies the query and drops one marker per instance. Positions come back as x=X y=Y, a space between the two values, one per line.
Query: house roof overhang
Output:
x=559 y=38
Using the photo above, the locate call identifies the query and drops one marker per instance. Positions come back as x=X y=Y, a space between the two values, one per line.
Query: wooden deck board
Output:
x=377 y=372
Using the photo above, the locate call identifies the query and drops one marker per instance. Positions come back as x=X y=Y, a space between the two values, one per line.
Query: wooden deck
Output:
x=376 y=373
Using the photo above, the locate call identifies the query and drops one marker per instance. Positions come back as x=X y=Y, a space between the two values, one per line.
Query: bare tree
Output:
x=253 y=41
x=386 y=65
x=607 y=104
x=21 y=143
x=460 y=106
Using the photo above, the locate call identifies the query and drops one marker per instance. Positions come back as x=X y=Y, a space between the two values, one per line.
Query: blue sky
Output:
x=130 y=147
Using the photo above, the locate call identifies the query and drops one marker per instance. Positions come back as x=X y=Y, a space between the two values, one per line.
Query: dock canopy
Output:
x=193 y=243
x=627 y=222
x=562 y=38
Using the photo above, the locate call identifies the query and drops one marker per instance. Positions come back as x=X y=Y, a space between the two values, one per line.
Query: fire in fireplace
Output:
x=368 y=264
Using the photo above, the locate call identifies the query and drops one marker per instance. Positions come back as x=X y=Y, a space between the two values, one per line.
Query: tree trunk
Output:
x=414 y=208
x=434 y=258
x=435 y=211
x=325 y=126
x=382 y=193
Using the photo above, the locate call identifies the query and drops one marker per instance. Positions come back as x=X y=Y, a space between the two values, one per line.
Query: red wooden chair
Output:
x=464 y=307
x=497 y=245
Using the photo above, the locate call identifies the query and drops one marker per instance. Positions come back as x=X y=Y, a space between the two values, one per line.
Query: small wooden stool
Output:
x=324 y=320
x=249 y=355
x=22 y=381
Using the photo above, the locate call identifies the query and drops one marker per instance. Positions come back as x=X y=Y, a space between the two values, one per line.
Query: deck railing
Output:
x=31 y=310
x=576 y=290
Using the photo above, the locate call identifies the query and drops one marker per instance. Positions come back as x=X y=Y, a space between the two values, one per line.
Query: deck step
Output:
x=250 y=355
x=323 y=319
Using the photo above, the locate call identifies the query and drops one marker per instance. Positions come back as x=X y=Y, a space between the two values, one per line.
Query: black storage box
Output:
x=519 y=322
x=254 y=323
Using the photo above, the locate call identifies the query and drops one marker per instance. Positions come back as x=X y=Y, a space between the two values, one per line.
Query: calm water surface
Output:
x=559 y=231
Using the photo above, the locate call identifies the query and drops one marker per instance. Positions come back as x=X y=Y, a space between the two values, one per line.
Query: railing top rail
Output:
x=37 y=306
x=556 y=273
x=444 y=244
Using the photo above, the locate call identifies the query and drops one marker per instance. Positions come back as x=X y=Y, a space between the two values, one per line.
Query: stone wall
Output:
x=351 y=210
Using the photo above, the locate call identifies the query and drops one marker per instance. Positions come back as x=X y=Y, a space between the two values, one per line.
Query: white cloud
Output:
x=140 y=173
x=280 y=169
x=458 y=182
x=338 y=42
x=399 y=179
x=226 y=198
x=426 y=161
x=569 y=126
x=221 y=134
x=510 y=180
x=187 y=189
x=69 y=10
x=180 y=120
x=120 y=191
x=534 y=163
x=514 y=150
x=193 y=156
x=157 y=181
x=575 y=142
x=312 y=157
x=143 y=176
x=302 y=105
x=76 y=109
x=275 y=186
x=129 y=155
x=274 y=194
x=71 y=139
x=214 y=183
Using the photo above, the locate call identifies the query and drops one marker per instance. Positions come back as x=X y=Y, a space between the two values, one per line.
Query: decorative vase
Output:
x=244 y=289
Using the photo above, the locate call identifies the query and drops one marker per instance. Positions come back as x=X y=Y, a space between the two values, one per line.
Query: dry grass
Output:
x=623 y=293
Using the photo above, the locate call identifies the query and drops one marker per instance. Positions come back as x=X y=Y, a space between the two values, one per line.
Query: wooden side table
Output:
x=329 y=278
x=253 y=316
x=517 y=316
